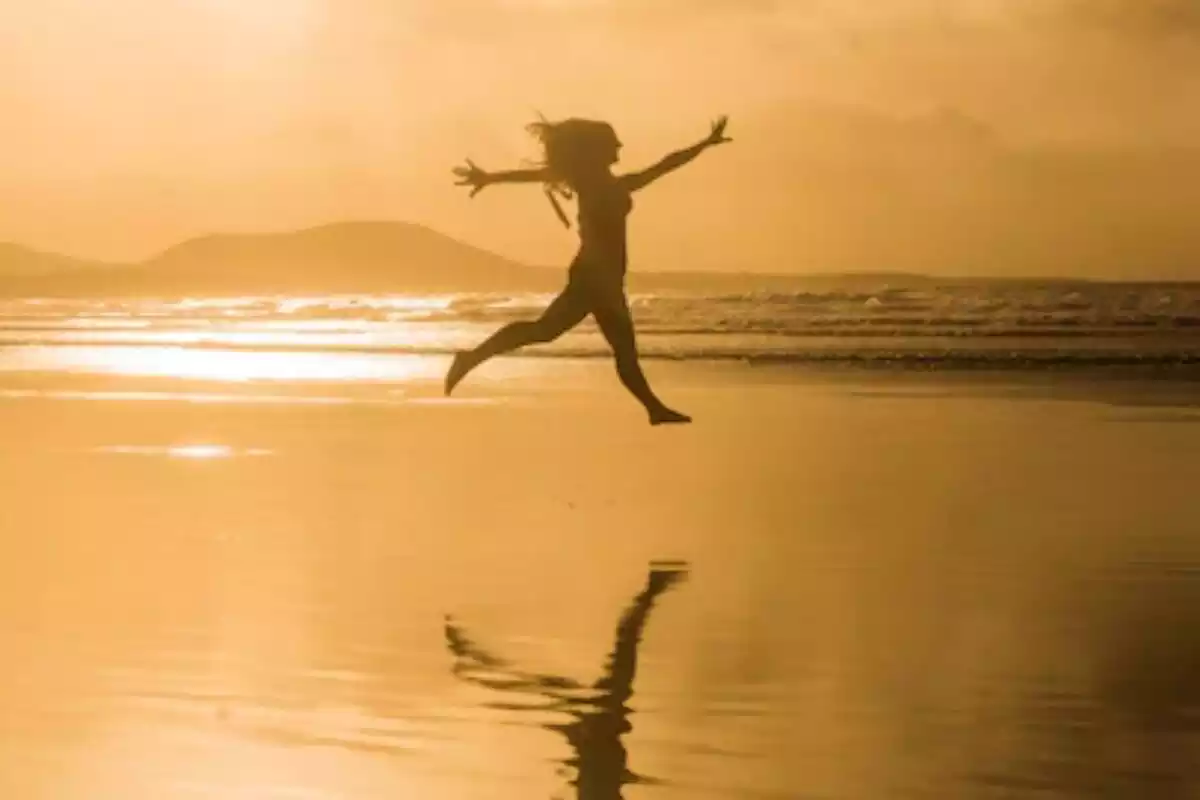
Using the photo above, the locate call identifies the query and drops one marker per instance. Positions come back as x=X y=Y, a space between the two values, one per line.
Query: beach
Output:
x=911 y=511
x=899 y=584
x=322 y=476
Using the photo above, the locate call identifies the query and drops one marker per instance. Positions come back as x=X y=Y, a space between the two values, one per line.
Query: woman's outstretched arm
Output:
x=477 y=178
x=636 y=180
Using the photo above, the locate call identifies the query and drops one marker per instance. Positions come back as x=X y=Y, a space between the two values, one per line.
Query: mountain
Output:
x=19 y=262
x=343 y=257
x=357 y=258
x=339 y=258
x=350 y=257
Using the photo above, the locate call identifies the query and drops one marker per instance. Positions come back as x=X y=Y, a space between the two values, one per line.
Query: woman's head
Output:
x=577 y=149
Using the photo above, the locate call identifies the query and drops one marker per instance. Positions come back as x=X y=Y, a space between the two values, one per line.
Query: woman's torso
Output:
x=603 y=211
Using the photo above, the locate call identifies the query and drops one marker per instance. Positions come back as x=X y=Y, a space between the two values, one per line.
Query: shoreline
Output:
x=551 y=381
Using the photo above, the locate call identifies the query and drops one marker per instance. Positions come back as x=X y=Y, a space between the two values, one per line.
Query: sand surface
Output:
x=900 y=586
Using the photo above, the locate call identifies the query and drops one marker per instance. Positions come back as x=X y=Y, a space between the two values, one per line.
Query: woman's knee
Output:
x=542 y=331
x=627 y=362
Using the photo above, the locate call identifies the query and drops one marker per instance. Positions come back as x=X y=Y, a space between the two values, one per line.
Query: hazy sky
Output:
x=129 y=124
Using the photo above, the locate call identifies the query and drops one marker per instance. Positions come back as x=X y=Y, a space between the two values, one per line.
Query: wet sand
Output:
x=900 y=586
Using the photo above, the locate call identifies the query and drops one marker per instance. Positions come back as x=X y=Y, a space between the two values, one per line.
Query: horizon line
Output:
x=88 y=261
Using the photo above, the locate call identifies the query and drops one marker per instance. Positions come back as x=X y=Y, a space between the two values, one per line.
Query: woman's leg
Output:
x=564 y=312
x=611 y=312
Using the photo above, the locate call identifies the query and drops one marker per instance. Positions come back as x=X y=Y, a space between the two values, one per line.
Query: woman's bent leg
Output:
x=564 y=312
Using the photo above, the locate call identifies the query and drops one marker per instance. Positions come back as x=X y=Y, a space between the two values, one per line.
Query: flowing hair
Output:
x=567 y=154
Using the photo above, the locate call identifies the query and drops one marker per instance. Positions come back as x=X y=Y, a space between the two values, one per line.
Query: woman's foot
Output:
x=459 y=368
x=667 y=416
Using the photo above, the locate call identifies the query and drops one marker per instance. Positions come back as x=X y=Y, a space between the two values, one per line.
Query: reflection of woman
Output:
x=599 y=713
x=579 y=155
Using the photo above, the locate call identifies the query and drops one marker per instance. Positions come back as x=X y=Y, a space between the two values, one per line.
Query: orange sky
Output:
x=130 y=124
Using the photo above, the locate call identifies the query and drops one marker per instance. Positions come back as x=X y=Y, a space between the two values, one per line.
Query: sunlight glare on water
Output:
x=201 y=451
x=239 y=365
x=193 y=452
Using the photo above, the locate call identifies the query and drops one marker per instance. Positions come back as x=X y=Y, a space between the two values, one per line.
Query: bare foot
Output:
x=459 y=368
x=667 y=416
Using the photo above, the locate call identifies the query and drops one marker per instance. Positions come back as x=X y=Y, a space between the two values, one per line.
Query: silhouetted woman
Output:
x=578 y=159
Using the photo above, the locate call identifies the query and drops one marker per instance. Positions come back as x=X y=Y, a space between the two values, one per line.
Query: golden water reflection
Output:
x=193 y=452
x=247 y=366
x=240 y=365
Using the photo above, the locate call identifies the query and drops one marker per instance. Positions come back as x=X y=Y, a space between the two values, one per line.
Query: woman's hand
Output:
x=472 y=176
x=717 y=135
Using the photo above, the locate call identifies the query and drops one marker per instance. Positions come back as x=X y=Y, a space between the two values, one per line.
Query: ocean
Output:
x=926 y=325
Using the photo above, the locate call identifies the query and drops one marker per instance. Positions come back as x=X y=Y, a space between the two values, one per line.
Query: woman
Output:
x=578 y=159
